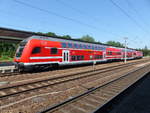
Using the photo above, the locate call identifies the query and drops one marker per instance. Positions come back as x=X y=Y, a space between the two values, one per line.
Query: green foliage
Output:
x=145 y=50
x=114 y=43
x=66 y=36
x=51 y=34
x=40 y=33
x=6 y=58
x=87 y=38
x=7 y=50
x=99 y=42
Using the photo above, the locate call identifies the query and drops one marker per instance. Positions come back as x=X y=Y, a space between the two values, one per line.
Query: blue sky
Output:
x=100 y=19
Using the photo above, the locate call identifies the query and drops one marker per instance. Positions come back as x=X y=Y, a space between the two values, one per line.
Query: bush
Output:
x=7 y=50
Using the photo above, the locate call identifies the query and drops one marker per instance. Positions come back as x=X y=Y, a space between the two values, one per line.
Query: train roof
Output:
x=65 y=40
x=71 y=41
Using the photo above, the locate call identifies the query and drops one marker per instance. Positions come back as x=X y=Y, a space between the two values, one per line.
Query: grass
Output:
x=5 y=59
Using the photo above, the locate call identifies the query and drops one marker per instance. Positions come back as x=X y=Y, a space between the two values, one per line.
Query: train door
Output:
x=65 y=56
x=104 y=55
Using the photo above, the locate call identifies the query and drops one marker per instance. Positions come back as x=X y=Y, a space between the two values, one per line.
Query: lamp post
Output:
x=94 y=62
x=125 y=58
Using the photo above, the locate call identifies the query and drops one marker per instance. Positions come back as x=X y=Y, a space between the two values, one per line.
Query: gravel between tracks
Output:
x=32 y=76
x=49 y=96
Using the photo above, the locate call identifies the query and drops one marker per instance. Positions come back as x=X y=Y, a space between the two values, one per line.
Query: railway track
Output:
x=97 y=97
x=11 y=70
x=15 y=89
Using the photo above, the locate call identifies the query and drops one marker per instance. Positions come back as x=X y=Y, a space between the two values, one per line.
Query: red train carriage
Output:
x=39 y=51
x=139 y=54
x=131 y=54
x=113 y=53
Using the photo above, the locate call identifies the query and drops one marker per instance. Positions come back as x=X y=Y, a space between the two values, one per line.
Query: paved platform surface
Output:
x=138 y=101
x=6 y=67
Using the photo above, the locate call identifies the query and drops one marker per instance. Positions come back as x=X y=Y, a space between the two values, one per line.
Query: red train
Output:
x=37 y=51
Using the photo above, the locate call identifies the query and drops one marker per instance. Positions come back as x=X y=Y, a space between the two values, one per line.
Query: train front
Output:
x=21 y=55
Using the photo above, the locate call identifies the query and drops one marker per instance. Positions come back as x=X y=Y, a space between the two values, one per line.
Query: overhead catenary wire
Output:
x=131 y=6
x=27 y=27
x=83 y=13
x=64 y=17
x=77 y=10
x=54 y=13
x=130 y=17
x=138 y=14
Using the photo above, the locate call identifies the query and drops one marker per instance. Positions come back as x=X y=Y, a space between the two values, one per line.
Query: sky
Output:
x=102 y=19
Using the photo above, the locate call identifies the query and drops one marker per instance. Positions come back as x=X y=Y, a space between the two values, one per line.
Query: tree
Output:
x=99 y=42
x=145 y=51
x=8 y=49
x=114 y=43
x=50 y=34
x=40 y=33
x=87 y=38
x=66 y=36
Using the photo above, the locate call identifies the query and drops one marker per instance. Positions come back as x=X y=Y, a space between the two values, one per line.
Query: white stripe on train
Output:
x=52 y=57
x=68 y=63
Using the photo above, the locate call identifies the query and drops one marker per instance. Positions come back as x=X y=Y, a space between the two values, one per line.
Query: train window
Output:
x=73 y=58
x=84 y=46
x=103 y=48
x=98 y=56
x=78 y=57
x=89 y=47
x=93 y=47
x=23 y=43
x=109 y=53
x=19 y=51
x=80 y=46
x=118 y=53
x=64 y=45
x=54 y=50
x=75 y=45
x=36 y=50
x=70 y=45
x=100 y=48
x=82 y=57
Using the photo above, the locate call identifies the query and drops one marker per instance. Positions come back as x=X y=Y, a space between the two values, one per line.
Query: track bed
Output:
x=37 y=94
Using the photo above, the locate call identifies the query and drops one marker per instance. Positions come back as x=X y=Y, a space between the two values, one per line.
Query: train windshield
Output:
x=20 y=49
